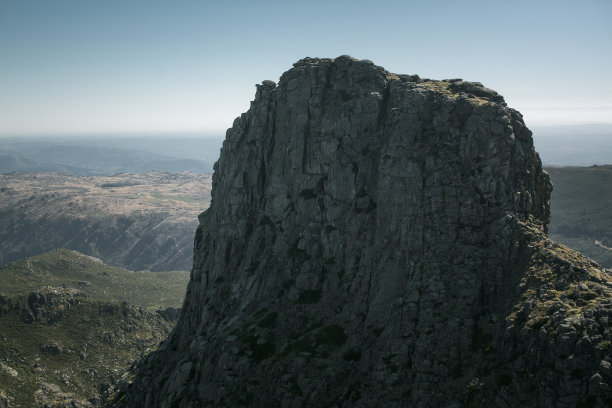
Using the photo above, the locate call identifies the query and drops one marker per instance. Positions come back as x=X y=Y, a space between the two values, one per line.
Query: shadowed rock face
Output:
x=378 y=240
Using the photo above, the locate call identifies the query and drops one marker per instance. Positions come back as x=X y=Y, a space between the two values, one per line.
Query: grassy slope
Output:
x=71 y=269
x=581 y=212
x=83 y=336
x=73 y=359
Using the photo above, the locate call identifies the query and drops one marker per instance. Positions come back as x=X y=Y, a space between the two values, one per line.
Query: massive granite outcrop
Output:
x=379 y=240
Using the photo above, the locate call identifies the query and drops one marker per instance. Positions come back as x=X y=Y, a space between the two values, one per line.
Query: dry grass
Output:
x=188 y=194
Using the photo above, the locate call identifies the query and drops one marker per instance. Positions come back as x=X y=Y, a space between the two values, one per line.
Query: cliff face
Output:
x=379 y=240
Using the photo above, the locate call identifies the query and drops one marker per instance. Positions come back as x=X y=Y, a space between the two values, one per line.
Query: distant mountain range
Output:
x=95 y=156
x=90 y=161
x=10 y=163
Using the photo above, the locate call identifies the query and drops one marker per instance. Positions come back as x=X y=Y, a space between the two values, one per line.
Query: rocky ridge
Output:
x=380 y=240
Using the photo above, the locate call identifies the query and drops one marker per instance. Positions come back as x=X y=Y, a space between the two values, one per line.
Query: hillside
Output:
x=581 y=210
x=68 y=331
x=92 y=278
x=136 y=221
x=62 y=349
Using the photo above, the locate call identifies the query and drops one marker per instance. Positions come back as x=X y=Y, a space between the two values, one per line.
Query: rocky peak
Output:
x=377 y=239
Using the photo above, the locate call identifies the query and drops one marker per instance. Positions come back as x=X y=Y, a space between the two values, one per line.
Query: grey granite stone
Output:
x=379 y=240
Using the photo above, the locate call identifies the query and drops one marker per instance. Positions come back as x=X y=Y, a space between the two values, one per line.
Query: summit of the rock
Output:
x=377 y=239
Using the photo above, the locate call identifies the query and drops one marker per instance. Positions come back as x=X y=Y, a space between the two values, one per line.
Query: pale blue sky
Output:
x=81 y=66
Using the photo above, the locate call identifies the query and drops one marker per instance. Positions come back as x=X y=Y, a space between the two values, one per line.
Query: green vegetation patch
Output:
x=70 y=355
x=98 y=281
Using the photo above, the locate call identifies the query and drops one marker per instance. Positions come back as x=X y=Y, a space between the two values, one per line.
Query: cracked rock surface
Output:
x=380 y=240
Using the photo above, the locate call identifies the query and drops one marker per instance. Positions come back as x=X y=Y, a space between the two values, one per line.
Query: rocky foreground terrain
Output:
x=380 y=240
x=136 y=221
x=67 y=330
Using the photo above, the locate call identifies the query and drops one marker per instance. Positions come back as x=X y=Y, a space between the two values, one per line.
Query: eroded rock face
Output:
x=378 y=240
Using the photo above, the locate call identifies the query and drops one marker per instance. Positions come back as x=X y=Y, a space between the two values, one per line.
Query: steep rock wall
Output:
x=368 y=244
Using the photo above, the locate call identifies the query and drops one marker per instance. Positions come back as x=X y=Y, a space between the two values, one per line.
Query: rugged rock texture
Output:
x=59 y=348
x=379 y=240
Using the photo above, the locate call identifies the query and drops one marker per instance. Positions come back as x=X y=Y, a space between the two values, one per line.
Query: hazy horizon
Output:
x=569 y=145
x=548 y=129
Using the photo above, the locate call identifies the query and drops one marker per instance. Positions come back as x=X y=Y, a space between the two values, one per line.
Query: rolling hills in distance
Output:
x=103 y=155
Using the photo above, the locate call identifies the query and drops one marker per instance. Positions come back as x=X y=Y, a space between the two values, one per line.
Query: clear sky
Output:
x=81 y=66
